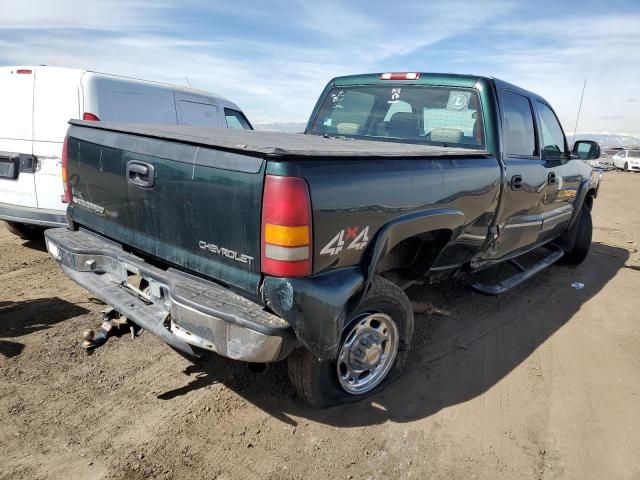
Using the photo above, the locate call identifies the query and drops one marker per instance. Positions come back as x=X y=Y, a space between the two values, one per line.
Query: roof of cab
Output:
x=442 y=79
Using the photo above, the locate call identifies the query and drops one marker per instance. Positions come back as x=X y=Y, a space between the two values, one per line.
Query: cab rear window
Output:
x=414 y=114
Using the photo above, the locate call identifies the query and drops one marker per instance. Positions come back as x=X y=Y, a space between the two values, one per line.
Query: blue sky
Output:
x=274 y=57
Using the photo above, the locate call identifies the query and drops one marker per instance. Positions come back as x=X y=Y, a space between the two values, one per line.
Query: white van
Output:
x=35 y=106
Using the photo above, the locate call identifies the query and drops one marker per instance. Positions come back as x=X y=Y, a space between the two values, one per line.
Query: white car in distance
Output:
x=628 y=160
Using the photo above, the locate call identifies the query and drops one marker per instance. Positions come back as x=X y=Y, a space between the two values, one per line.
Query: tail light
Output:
x=90 y=117
x=66 y=184
x=286 y=227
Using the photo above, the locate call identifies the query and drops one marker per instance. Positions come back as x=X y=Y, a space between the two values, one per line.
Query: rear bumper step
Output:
x=505 y=285
x=183 y=310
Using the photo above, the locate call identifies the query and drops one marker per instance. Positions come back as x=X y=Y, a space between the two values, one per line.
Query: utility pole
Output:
x=579 y=109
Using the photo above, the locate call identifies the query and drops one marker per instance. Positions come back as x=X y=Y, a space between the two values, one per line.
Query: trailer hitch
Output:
x=112 y=323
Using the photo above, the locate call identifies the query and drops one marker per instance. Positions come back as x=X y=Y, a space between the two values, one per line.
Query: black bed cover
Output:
x=277 y=144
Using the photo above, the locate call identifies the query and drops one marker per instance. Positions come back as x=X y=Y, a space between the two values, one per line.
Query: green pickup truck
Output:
x=262 y=246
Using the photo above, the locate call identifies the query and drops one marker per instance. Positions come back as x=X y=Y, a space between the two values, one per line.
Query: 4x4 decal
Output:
x=359 y=239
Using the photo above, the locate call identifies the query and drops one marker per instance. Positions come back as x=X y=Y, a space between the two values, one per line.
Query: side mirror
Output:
x=586 y=149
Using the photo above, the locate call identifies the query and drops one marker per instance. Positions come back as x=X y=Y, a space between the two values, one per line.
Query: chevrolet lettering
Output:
x=232 y=254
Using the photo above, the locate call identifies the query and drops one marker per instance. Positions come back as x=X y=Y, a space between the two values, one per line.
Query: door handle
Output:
x=516 y=182
x=551 y=179
x=141 y=174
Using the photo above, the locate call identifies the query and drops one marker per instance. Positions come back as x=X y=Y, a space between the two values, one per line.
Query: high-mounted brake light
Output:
x=286 y=227
x=90 y=117
x=66 y=184
x=24 y=71
x=400 y=76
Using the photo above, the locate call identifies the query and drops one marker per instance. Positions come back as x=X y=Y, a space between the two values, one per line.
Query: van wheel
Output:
x=373 y=350
x=580 y=249
x=23 y=230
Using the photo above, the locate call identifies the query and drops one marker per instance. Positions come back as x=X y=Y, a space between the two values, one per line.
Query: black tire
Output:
x=626 y=166
x=316 y=381
x=23 y=230
x=582 y=244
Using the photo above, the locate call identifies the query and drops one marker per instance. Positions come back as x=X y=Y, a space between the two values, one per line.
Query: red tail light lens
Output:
x=24 y=71
x=400 y=76
x=286 y=227
x=90 y=117
x=66 y=184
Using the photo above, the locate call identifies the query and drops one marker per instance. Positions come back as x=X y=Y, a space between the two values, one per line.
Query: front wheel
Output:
x=582 y=243
x=626 y=166
x=373 y=350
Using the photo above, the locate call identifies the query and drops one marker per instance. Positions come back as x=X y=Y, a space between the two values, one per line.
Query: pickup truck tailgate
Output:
x=189 y=205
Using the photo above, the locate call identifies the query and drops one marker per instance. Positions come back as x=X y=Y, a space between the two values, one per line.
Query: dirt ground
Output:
x=541 y=383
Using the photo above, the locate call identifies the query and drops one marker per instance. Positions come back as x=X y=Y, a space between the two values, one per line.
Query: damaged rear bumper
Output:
x=183 y=310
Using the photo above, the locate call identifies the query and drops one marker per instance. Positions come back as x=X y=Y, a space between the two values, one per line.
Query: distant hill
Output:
x=611 y=139
x=289 y=127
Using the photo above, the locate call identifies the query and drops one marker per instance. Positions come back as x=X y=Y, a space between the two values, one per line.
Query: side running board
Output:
x=525 y=273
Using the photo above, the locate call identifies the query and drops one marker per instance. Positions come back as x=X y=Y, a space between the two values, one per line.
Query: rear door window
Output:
x=553 y=142
x=136 y=104
x=198 y=114
x=518 y=126
x=236 y=119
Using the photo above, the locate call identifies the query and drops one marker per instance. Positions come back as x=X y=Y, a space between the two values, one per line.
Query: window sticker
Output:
x=395 y=95
x=458 y=101
x=337 y=99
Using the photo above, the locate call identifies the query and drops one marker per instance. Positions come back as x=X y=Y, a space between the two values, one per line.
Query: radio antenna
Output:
x=579 y=110
x=189 y=83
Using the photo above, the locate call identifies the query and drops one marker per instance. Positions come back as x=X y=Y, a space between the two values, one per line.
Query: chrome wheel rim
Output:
x=368 y=353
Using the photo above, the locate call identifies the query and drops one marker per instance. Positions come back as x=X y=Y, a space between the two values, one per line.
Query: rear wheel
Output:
x=26 y=231
x=582 y=243
x=373 y=350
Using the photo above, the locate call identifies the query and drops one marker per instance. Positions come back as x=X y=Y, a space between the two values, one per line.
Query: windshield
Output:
x=413 y=114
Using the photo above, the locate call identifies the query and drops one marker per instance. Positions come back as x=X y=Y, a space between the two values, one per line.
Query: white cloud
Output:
x=271 y=81
x=556 y=56
x=277 y=76
x=105 y=15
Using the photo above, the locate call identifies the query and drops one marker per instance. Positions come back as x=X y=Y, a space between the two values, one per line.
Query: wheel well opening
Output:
x=411 y=259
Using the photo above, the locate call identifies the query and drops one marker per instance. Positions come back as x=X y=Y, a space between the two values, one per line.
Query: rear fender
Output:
x=317 y=307
x=409 y=225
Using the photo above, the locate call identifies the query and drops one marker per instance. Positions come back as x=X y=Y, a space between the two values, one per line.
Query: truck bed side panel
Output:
x=351 y=196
